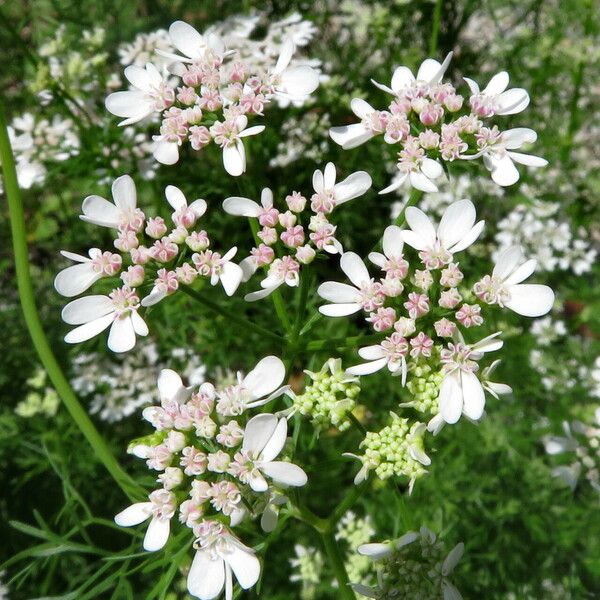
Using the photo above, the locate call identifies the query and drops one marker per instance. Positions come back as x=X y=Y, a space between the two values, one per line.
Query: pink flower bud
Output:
x=268 y=235
x=107 y=264
x=444 y=328
x=293 y=236
x=186 y=273
x=178 y=235
x=164 y=250
x=193 y=115
x=126 y=241
x=429 y=139
x=197 y=241
x=263 y=255
x=469 y=315
x=305 y=254
x=186 y=95
x=405 y=326
x=269 y=217
x=296 y=202
x=199 y=137
x=421 y=345
x=423 y=279
x=134 y=276
x=156 y=227
x=382 y=319
x=449 y=298
x=140 y=255
x=417 y=305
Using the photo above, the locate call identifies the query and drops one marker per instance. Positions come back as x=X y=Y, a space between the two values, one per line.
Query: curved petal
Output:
x=339 y=293
x=529 y=160
x=187 y=40
x=206 y=577
x=100 y=211
x=139 y=325
x=317 y=181
x=260 y=294
x=512 y=101
x=175 y=197
x=166 y=153
x=157 y=534
x=402 y=78
x=368 y=367
x=473 y=85
x=121 y=337
x=198 y=207
x=76 y=279
x=521 y=273
x=350 y=136
x=299 y=82
x=421 y=182
x=130 y=103
x=375 y=550
x=452 y=559
x=231 y=277
x=516 y=137
x=431 y=168
x=258 y=432
x=241 y=207
x=266 y=377
x=473 y=396
x=504 y=172
x=507 y=262
x=276 y=442
x=134 y=515
x=88 y=330
x=456 y=222
x=329 y=176
x=87 y=309
x=285 y=473
x=469 y=238
x=374 y=352
x=393 y=244
x=138 y=77
x=244 y=564
x=530 y=300
x=353 y=186
x=123 y=193
x=285 y=55
x=233 y=160
x=450 y=398
x=339 y=310
x=498 y=83
x=354 y=268
x=421 y=226
x=361 y=108
x=169 y=385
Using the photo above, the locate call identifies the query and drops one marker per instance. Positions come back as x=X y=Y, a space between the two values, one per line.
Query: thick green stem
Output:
x=199 y=297
x=34 y=324
x=336 y=562
x=435 y=28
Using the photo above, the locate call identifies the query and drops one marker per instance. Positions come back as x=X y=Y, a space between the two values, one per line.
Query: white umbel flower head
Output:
x=295 y=82
x=264 y=439
x=495 y=99
x=150 y=94
x=94 y=314
x=329 y=194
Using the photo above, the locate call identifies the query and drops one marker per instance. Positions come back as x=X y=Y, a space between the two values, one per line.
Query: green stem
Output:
x=342 y=343
x=34 y=324
x=348 y=502
x=414 y=197
x=336 y=562
x=435 y=29
x=234 y=318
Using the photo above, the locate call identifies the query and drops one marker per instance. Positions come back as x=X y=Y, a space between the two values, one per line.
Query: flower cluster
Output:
x=148 y=250
x=285 y=244
x=42 y=399
x=216 y=468
x=431 y=122
x=413 y=566
x=329 y=397
x=214 y=97
x=583 y=441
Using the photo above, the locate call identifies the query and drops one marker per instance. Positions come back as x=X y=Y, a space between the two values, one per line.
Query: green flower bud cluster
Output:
x=396 y=450
x=330 y=396
x=354 y=531
x=308 y=568
x=424 y=385
x=41 y=400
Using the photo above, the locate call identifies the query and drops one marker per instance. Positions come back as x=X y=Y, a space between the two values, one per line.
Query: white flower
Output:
x=495 y=389
x=264 y=439
x=430 y=72
x=555 y=444
x=293 y=82
x=244 y=207
x=219 y=268
x=457 y=230
x=94 y=314
x=124 y=211
x=499 y=158
x=76 y=279
x=150 y=94
x=160 y=509
x=379 y=356
x=329 y=194
x=349 y=299
x=495 y=99
x=184 y=214
x=351 y=136
x=504 y=287
x=192 y=45
x=281 y=270
x=219 y=557
x=229 y=136
x=461 y=392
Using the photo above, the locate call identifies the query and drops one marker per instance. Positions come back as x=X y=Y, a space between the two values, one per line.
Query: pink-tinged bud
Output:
x=285 y=269
x=418 y=104
x=193 y=115
x=431 y=114
x=166 y=281
x=454 y=102
x=175 y=441
x=293 y=236
x=263 y=255
x=174 y=129
x=160 y=458
x=296 y=202
x=287 y=219
x=269 y=217
x=469 y=315
x=268 y=235
x=254 y=83
x=405 y=326
x=397 y=128
x=126 y=241
x=134 y=276
x=451 y=276
x=171 y=478
x=429 y=139
x=382 y=319
x=444 y=328
x=156 y=227
x=305 y=254
x=253 y=103
x=423 y=279
x=186 y=95
x=238 y=71
x=421 y=345
x=218 y=461
x=323 y=201
x=439 y=92
x=210 y=100
x=107 y=264
x=323 y=237
x=450 y=298
x=417 y=305
x=199 y=137
x=184 y=217
x=400 y=106
x=178 y=235
x=197 y=241
x=392 y=287
x=192 y=76
x=211 y=78
x=140 y=255
x=482 y=105
x=234 y=92
x=186 y=273
x=164 y=250
x=193 y=460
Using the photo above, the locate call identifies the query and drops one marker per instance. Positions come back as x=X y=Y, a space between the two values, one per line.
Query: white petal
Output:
x=269 y=518
x=89 y=330
x=276 y=443
x=393 y=244
x=456 y=222
x=123 y=193
x=504 y=172
x=421 y=182
x=285 y=55
x=469 y=238
x=521 y=273
x=99 y=211
x=377 y=259
x=498 y=83
x=375 y=551
x=339 y=293
x=431 y=168
x=166 y=153
x=198 y=207
x=473 y=396
x=450 y=592
x=432 y=71
x=285 y=473
x=206 y=577
x=317 y=181
x=371 y=352
x=169 y=385
x=258 y=483
x=512 y=102
x=354 y=268
x=353 y=186
x=350 y=136
x=258 y=432
x=528 y=160
x=134 y=514
x=473 y=85
x=530 y=300
x=87 y=309
x=450 y=399
x=76 y=279
x=255 y=130
x=187 y=40
x=300 y=81
x=260 y=294
x=139 y=325
x=157 y=534
x=329 y=176
x=401 y=79
x=266 y=377
x=133 y=104
x=368 y=367
x=139 y=78
x=361 y=108
x=233 y=161
x=121 y=337
x=515 y=138
x=507 y=262
x=241 y=207
x=422 y=227
x=396 y=183
x=175 y=197
x=245 y=566
x=231 y=277
x=339 y=310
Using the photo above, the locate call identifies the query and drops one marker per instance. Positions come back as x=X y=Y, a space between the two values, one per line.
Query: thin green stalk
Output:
x=336 y=562
x=435 y=29
x=347 y=503
x=414 y=197
x=34 y=324
x=341 y=343
x=234 y=318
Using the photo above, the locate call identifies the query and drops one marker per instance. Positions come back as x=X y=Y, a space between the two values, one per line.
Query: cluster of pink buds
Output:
x=215 y=470
x=208 y=97
x=285 y=244
x=149 y=251
x=423 y=308
x=434 y=124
